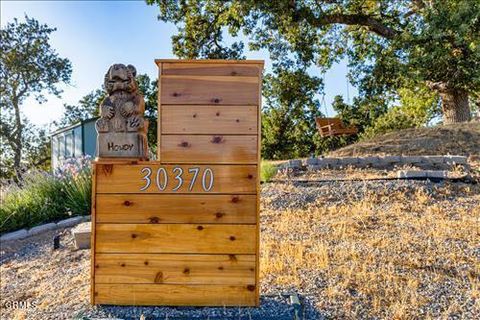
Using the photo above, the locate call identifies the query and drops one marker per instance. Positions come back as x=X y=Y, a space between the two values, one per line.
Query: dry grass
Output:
x=352 y=250
x=392 y=255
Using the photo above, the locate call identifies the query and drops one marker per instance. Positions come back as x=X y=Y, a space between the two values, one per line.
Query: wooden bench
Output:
x=329 y=127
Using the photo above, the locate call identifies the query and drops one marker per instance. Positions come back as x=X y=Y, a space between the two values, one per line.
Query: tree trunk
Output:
x=455 y=107
x=17 y=139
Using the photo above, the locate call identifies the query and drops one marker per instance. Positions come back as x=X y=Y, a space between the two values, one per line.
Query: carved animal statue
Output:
x=122 y=110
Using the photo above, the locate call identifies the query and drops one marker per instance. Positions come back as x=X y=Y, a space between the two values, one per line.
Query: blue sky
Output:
x=95 y=34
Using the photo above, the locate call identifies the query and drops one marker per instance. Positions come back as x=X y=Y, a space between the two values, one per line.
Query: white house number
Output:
x=161 y=178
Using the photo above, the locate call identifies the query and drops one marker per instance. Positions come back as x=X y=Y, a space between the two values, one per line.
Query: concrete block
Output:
x=413 y=159
x=81 y=235
x=348 y=161
x=43 y=228
x=411 y=174
x=461 y=160
x=296 y=164
x=331 y=162
x=434 y=159
x=16 y=235
x=391 y=159
x=436 y=174
x=70 y=222
x=311 y=161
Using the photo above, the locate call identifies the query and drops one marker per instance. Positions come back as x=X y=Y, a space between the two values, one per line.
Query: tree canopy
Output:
x=29 y=66
x=389 y=44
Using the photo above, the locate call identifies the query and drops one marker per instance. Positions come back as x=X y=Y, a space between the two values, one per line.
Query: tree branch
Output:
x=372 y=24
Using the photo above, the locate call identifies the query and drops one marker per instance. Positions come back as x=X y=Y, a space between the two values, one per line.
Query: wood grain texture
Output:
x=175 y=295
x=129 y=179
x=175 y=269
x=259 y=63
x=209 y=149
x=176 y=238
x=215 y=90
x=92 y=234
x=208 y=119
x=217 y=69
x=168 y=208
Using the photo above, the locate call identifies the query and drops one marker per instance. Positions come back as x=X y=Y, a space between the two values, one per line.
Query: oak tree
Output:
x=29 y=66
x=389 y=44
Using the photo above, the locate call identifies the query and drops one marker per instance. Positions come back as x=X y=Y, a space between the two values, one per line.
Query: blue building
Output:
x=77 y=140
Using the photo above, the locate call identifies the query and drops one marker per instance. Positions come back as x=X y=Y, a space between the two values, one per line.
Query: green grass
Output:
x=43 y=197
x=268 y=171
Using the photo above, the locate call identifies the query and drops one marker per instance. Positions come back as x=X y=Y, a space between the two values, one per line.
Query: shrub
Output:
x=268 y=171
x=42 y=197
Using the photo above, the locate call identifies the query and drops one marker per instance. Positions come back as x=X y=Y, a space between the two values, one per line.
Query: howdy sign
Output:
x=183 y=230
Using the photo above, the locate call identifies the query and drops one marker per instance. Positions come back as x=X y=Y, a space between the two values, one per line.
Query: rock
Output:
x=311 y=161
x=70 y=222
x=81 y=235
x=43 y=228
x=16 y=235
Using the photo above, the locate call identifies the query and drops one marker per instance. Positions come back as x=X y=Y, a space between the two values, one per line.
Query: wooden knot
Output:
x=220 y=268
x=217 y=139
x=159 y=277
x=238 y=120
x=219 y=214
x=250 y=176
x=215 y=100
x=184 y=144
x=232 y=257
x=235 y=199
x=127 y=203
x=194 y=115
x=200 y=228
x=97 y=266
x=186 y=270
x=176 y=94
x=134 y=235
x=122 y=265
x=252 y=269
x=232 y=238
x=146 y=262
x=233 y=73
x=250 y=287
x=107 y=169
x=154 y=219
x=217 y=114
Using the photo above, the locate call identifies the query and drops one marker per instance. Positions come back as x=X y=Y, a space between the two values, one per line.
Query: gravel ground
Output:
x=350 y=249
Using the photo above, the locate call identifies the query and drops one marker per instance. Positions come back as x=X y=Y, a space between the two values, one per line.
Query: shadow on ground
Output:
x=272 y=307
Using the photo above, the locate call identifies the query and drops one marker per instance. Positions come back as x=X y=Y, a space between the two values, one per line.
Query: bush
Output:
x=268 y=171
x=42 y=197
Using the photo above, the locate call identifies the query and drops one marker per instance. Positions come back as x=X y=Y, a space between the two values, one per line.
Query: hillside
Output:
x=458 y=139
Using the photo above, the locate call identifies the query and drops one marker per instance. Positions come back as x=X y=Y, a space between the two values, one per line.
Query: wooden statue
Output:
x=122 y=129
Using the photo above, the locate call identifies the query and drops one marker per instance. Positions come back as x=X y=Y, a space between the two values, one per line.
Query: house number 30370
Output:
x=161 y=178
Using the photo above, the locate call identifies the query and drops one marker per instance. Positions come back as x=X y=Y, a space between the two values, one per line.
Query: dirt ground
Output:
x=349 y=249
x=458 y=139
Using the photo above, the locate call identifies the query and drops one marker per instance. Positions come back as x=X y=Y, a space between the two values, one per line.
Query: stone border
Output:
x=378 y=162
x=24 y=233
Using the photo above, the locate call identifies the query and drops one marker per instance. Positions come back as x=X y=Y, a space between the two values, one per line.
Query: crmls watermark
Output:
x=23 y=304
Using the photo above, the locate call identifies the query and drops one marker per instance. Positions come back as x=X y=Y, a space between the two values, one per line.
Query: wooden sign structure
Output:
x=183 y=230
